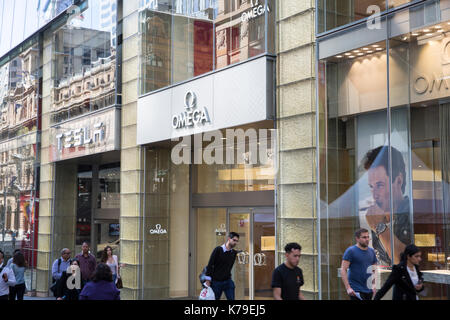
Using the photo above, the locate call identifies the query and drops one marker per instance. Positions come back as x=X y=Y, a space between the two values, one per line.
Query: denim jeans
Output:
x=223 y=286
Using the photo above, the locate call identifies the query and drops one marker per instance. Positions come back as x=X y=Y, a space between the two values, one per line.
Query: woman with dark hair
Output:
x=112 y=261
x=102 y=286
x=18 y=267
x=62 y=291
x=405 y=277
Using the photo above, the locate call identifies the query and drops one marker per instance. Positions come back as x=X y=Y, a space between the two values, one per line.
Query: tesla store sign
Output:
x=87 y=135
x=256 y=11
x=227 y=98
x=193 y=116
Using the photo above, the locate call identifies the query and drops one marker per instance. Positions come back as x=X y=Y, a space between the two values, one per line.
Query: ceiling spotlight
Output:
x=426 y=30
x=415 y=34
x=370 y=51
x=365 y=49
x=379 y=49
x=348 y=54
x=360 y=54
x=351 y=57
x=376 y=45
x=338 y=56
x=429 y=34
x=356 y=51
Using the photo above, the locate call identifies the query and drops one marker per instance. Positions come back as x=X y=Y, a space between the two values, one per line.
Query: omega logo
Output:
x=426 y=84
x=192 y=116
x=256 y=11
x=158 y=230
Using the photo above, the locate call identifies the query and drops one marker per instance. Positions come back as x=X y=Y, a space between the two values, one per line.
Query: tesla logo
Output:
x=81 y=137
x=193 y=116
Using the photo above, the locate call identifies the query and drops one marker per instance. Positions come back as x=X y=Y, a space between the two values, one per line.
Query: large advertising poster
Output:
x=384 y=203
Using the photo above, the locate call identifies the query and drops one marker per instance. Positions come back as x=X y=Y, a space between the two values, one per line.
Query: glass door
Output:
x=263 y=253
x=240 y=222
x=252 y=272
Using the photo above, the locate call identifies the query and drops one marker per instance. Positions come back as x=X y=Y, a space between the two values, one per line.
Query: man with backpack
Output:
x=59 y=266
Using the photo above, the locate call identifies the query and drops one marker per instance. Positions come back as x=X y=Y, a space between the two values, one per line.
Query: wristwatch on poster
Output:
x=381 y=227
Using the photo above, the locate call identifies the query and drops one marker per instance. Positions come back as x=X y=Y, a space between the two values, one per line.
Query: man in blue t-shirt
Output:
x=358 y=265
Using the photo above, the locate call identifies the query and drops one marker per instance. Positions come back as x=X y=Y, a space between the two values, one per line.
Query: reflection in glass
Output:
x=182 y=39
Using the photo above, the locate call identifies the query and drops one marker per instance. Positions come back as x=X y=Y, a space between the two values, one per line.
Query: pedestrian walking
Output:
x=405 y=277
x=88 y=263
x=7 y=278
x=11 y=259
x=102 y=286
x=112 y=261
x=63 y=292
x=288 y=277
x=358 y=265
x=61 y=264
x=218 y=271
x=18 y=266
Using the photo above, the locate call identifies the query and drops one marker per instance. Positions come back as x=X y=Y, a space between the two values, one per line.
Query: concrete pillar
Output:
x=296 y=135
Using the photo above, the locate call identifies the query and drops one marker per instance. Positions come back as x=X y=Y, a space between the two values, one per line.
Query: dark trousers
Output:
x=18 y=290
x=6 y=297
x=223 y=286
x=364 y=296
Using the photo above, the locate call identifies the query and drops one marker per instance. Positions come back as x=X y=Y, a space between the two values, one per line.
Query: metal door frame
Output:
x=251 y=212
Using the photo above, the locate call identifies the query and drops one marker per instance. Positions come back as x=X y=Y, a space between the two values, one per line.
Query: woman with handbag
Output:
x=405 y=277
x=113 y=263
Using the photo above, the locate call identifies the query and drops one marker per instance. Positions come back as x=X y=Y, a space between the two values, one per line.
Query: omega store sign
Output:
x=227 y=98
x=87 y=135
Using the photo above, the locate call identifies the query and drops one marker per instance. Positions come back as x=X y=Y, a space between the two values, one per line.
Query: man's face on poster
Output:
x=379 y=186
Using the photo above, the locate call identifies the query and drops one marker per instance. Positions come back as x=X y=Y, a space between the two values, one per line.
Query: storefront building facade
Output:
x=383 y=135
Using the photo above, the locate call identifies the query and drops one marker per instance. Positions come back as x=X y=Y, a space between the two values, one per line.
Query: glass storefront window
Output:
x=336 y=13
x=383 y=143
x=20 y=90
x=243 y=175
x=184 y=39
x=84 y=61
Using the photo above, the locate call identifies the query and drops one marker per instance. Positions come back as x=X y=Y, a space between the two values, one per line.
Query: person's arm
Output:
x=300 y=295
x=11 y=278
x=55 y=273
x=277 y=294
x=277 y=283
x=344 y=275
x=388 y=284
x=210 y=267
x=117 y=266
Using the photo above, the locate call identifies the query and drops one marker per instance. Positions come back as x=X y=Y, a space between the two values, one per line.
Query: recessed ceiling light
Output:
x=376 y=45
x=438 y=27
x=426 y=30
x=360 y=54
x=365 y=49
x=415 y=34
x=429 y=34
x=356 y=51
x=370 y=51
x=338 y=56
x=351 y=57
x=379 y=49
x=348 y=54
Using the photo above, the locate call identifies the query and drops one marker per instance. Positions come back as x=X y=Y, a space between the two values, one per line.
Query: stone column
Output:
x=296 y=135
x=132 y=159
